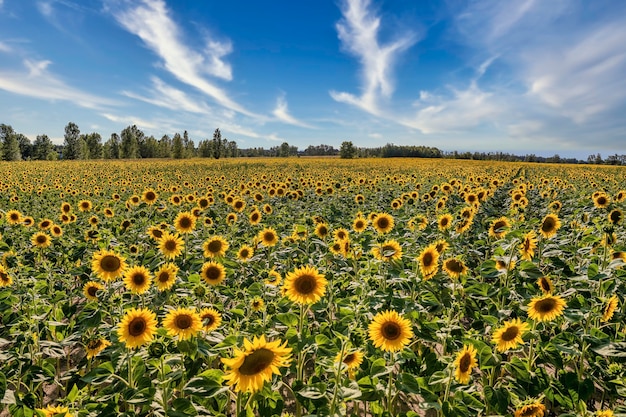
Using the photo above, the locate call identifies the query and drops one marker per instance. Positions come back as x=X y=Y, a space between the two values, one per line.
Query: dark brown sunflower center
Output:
x=455 y=266
x=208 y=319
x=548 y=225
x=137 y=326
x=545 y=285
x=42 y=239
x=444 y=221
x=139 y=279
x=45 y=224
x=238 y=204
x=359 y=224
x=601 y=201
x=256 y=362
x=212 y=273
x=526 y=244
x=391 y=330
x=323 y=231
x=85 y=205
x=150 y=196
x=92 y=291
x=110 y=263
x=244 y=253
x=616 y=216
x=499 y=225
x=164 y=276
x=531 y=411
x=382 y=222
x=269 y=237
x=465 y=362
x=15 y=217
x=183 y=321
x=94 y=344
x=185 y=222
x=510 y=333
x=254 y=217
x=427 y=259
x=349 y=358
x=305 y=284
x=157 y=233
x=215 y=246
x=546 y=305
x=171 y=245
x=4 y=277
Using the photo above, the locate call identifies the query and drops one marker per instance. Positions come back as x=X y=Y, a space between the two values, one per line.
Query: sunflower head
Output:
x=550 y=225
x=165 y=277
x=546 y=308
x=509 y=336
x=255 y=364
x=245 y=253
x=383 y=223
x=5 y=279
x=388 y=251
x=429 y=261
x=95 y=346
x=464 y=363
x=499 y=228
x=108 y=265
x=215 y=247
x=389 y=331
x=305 y=285
x=213 y=273
x=171 y=245
x=183 y=323
x=454 y=267
x=90 y=290
x=137 y=327
x=268 y=237
x=211 y=319
x=185 y=222
x=40 y=240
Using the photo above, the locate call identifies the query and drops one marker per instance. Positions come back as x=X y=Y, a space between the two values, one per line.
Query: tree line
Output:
x=133 y=143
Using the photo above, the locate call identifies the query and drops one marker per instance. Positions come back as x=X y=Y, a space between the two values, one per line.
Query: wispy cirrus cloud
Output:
x=359 y=31
x=281 y=112
x=164 y=95
x=37 y=81
x=152 y=23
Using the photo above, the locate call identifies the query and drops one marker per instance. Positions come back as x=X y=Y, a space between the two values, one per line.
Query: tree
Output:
x=112 y=147
x=217 y=144
x=93 y=144
x=42 y=148
x=130 y=138
x=347 y=151
x=71 y=143
x=26 y=149
x=283 y=150
x=165 y=147
x=178 y=150
x=10 y=145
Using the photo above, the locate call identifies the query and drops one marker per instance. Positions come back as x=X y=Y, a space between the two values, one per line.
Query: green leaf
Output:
x=617 y=349
x=288 y=319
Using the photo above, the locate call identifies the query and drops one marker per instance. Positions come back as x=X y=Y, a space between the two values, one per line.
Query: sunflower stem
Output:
x=390 y=407
x=337 y=378
x=531 y=359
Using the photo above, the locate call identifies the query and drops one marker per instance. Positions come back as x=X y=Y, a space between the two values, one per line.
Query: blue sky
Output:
x=519 y=76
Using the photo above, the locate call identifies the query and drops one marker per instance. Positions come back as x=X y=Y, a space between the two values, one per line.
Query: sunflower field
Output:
x=312 y=287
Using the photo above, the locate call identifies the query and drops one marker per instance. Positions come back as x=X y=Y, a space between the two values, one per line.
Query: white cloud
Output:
x=4 y=47
x=359 y=31
x=164 y=95
x=132 y=120
x=38 y=82
x=150 y=21
x=281 y=112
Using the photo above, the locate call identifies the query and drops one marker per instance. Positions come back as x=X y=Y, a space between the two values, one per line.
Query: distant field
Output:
x=311 y=286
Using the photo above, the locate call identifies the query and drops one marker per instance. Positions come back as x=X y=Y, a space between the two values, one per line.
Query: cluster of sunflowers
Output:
x=311 y=287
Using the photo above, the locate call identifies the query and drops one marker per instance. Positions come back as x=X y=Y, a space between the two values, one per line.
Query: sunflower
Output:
x=273 y=278
x=255 y=364
x=499 y=228
x=211 y=319
x=45 y=224
x=547 y=307
x=91 y=289
x=383 y=223
x=341 y=234
x=268 y=237
x=182 y=322
x=40 y=240
x=171 y=245
x=389 y=331
x=108 y=265
x=444 y=222
x=28 y=221
x=441 y=245
x=604 y=413
x=509 y=336
x=84 y=206
x=359 y=224
x=257 y=303
x=616 y=216
x=601 y=200
x=5 y=278
x=238 y=205
x=56 y=230
x=66 y=207
x=245 y=253
x=52 y=411
x=545 y=285
x=137 y=327
x=305 y=285
x=388 y=251
x=535 y=409
x=267 y=209
x=550 y=225
x=95 y=346
x=454 y=267
x=93 y=220
x=14 y=217
x=352 y=360
x=255 y=217
x=429 y=261
x=165 y=277
x=321 y=230
x=91 y=235
x=213 y=273
x=185 y=222
x=138 y=279
x=149 y=196
x=528 y=246
x=108 y=212
x=464 y=362
x=215 y=247
x=609 y=308
x=231 y=218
